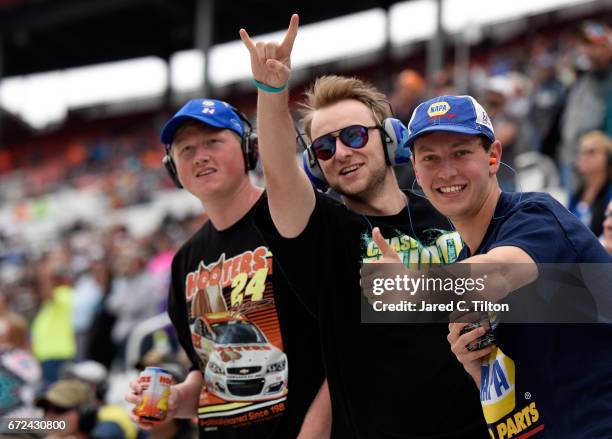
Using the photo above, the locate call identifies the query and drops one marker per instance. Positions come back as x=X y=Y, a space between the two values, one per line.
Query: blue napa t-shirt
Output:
x=546 y=380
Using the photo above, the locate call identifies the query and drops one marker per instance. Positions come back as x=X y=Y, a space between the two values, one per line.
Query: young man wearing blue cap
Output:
x=551 y=380
x=385 y=380
x=255 y=352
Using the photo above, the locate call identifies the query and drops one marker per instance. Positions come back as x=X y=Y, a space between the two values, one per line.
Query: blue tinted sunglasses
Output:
x=353 y=136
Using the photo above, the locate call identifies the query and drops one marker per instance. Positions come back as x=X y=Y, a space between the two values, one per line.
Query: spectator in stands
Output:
x=442 y=82
x=53 y=339
x=91 y=373
x=134 y=295
x=20 y=374
x=595 y=191
x=19 y=288
x=408 y=90
x=516 y=234
x=6 y=160
x=88 y=294
x=498 y=91
x=113 y=420
x=100 y=346
x=13 y=331
x=224 y=274
x=322 y=243
x=606 y=237
x=4 y=305
x=546 y=102
x=588 y=99
x=159 y=264
x=71 y=401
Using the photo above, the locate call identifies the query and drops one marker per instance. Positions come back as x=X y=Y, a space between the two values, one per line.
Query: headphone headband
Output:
x=243 y=117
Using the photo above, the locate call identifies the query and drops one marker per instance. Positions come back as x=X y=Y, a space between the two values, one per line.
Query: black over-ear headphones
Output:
x=88 y=418
x=249 y=146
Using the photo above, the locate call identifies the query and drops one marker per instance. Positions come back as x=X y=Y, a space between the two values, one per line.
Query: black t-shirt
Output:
x=546 y=380
x=386 y=380
x=255 y=344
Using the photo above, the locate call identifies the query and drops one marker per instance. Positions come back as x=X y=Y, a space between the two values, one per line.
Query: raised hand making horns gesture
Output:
x=271 y=61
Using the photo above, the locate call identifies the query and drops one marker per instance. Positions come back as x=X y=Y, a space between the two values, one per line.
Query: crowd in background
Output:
x=79 y=300
x=124 y=165
x=551 y=103
x=73 y=309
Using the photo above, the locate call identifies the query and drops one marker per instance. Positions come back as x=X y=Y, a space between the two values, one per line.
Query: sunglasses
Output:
x=353 y=136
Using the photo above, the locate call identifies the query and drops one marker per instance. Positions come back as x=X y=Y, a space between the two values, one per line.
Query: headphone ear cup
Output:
x=395 y=139
x=313 y=170
x=251 y=151
x=88 y=417
x=171 y=168
x=101 y=390
x=249 y=143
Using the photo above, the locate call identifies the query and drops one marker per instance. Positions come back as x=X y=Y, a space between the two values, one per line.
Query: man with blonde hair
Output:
x=385 y=381
x=373 y=181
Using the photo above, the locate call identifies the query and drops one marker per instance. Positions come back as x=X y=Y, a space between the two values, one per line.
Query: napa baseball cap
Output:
x=65 y=394
x=454 y=114
x=217 y=114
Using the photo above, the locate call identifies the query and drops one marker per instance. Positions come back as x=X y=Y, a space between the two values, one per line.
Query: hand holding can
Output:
x=459 y=340
x=151 y=396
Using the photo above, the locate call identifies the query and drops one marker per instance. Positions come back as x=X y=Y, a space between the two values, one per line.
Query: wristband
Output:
x=268 y=88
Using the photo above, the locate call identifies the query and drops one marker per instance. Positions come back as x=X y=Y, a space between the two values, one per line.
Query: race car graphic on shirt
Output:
x=236 y=334
x=241 y=365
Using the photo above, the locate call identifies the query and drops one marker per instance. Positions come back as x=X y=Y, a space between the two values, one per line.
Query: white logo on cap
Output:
x=482 y=118
x=438 y=109
x=208 y=110
x=208 y=103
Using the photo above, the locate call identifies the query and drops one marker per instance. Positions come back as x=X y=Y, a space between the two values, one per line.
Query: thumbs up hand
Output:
x=388 y=255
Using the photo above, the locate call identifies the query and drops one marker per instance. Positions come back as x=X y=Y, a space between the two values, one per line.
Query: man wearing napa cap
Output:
x=385 y=380
x=255 y=355
x=547 y=381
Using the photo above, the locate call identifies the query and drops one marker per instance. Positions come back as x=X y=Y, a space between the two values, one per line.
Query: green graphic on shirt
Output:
x=437 y=247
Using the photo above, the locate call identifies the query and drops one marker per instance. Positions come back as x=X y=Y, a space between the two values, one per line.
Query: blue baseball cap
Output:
x=454 y=114
x=211 y=112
